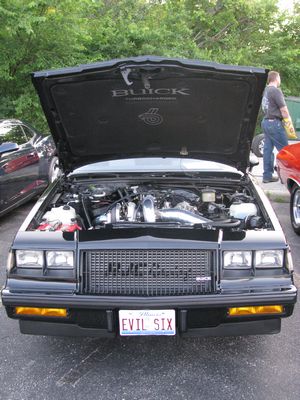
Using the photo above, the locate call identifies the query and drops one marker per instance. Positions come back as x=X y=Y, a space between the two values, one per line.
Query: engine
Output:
x=96 y=206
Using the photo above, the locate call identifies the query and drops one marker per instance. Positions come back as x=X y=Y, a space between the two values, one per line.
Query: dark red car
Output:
x=288 y=168
x=27 y=163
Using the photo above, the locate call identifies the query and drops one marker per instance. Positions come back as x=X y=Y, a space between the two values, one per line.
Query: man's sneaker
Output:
x=272 y=179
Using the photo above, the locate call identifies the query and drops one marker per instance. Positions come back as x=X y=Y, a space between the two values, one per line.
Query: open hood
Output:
x=151 y=107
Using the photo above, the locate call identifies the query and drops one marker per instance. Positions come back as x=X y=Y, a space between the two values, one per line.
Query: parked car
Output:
x=27 y=163
x=293 y=104
x=258 y=145
x=288 y=169
x=155 y=227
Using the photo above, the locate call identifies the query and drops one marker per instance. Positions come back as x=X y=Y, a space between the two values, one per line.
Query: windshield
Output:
x=154 y=165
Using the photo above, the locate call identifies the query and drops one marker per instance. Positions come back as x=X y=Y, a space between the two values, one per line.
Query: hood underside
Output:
x=151 y=107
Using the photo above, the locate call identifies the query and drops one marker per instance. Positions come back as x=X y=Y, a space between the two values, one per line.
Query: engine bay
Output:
x=82 y=205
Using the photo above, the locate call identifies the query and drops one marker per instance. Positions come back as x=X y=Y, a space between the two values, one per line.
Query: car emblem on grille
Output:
x=203 y=278
x=151 y=117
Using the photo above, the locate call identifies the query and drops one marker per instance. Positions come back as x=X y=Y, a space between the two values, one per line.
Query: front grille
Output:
x=147 y=272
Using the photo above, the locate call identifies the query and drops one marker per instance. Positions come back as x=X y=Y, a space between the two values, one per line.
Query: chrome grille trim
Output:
x=143 y=272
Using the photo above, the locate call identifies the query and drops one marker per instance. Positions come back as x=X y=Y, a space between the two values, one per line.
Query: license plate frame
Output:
x=147 y=322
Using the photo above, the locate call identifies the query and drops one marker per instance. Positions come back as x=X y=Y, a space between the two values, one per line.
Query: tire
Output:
x=54 y=171
x=295 y=209
x=258 y=145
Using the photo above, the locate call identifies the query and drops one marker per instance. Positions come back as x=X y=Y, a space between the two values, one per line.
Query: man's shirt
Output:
x=272 y=101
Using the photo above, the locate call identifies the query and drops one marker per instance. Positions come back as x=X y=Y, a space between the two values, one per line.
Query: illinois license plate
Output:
x=147 y=322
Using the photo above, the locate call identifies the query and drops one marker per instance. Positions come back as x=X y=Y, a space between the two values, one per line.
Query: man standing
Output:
x=274 y=109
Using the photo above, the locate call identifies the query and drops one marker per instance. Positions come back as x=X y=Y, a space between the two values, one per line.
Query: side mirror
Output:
x=8 y=147
x=253 y=160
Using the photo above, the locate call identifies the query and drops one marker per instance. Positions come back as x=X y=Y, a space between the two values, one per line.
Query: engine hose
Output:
x=227 y=224
x=129 y=197
x=86 y=213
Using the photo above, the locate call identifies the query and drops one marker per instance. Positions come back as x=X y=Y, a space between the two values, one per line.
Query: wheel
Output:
x=295 y=209
x=258 y=145
x=54 y=171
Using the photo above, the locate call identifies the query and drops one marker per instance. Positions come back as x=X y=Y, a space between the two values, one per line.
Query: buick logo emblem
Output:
x=151 y=117
x=200 y=279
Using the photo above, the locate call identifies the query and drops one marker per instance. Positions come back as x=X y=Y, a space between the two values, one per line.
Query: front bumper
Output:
x=264 y=327
x=204 y=315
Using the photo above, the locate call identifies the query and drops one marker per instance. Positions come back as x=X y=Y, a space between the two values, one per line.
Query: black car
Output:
x=27 y=163
x=156 y=226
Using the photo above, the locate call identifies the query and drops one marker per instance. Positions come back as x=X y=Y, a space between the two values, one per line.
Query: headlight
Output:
x=29 y=258
x=268 y=259
x=60 y=259
x=237 y=259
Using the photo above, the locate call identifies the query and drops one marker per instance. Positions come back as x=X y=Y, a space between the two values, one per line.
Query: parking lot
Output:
x=257 y=367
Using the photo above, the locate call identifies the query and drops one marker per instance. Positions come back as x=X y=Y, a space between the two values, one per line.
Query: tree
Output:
x=35 y=35
x=47 y=34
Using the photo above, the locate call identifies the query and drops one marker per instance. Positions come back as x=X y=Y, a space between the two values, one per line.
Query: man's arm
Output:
x=284 y=112
x=280 y=102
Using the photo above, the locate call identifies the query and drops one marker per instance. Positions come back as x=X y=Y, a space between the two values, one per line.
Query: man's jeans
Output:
x=275 y=136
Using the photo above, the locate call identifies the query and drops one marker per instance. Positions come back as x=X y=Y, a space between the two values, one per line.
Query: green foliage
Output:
x=35 y=35
x=45 y=34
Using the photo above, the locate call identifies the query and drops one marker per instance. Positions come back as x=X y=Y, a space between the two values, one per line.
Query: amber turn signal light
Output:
x=254 y=310
x=42 y=312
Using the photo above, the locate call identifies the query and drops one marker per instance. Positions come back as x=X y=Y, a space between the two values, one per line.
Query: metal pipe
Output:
x=148 y=209
x=182 y=216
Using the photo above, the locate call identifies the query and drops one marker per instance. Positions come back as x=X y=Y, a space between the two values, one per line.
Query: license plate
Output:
x=147 y=322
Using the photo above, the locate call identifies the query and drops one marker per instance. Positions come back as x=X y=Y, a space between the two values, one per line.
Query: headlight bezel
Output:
x=254 y=264
x=43 y=257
